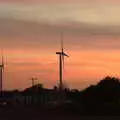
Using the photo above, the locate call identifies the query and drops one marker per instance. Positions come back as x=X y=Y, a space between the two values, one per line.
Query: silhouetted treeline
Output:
x=103 y=97
x=106 y=91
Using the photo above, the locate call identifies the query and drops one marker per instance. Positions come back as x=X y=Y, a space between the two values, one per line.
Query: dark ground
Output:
x=59 y=113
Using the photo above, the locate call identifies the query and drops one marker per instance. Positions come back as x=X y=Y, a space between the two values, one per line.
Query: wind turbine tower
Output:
x=61 y=54
x=1 y=73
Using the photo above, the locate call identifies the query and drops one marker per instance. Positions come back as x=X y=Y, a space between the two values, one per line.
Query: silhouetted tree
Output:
x=106 y=91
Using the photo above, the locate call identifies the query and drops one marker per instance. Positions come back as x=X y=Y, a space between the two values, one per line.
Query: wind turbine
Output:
x=61 y=54
x=1 y=73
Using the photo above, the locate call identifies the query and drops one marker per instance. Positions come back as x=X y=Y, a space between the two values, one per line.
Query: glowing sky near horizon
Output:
x=30 y=36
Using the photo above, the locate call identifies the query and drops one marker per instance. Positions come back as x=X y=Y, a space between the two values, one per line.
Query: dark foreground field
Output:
x=31 y=113
x=54 y=113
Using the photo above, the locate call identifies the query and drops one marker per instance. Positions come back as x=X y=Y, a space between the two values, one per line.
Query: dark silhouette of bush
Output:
x=105 y=94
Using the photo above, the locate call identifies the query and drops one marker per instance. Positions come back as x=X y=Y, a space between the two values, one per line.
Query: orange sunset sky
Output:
x=30 y=37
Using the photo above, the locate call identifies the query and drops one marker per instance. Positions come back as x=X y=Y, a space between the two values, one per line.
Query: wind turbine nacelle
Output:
x=62 y=53
x=1 y=66
x=65 y=54
x=58 y=53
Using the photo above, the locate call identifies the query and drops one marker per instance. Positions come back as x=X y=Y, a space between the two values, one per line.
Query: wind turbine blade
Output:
x=2 y=59
x=62 y=41
x=63 y=61
x=64 y=54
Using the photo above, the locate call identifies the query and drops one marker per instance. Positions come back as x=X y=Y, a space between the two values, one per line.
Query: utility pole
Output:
x=33 y=89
